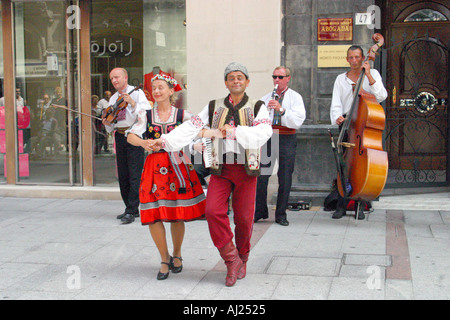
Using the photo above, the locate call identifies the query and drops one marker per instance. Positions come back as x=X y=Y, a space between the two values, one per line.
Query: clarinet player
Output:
x=287 y=114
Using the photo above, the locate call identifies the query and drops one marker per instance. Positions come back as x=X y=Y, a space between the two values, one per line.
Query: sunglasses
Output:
x=279 y=77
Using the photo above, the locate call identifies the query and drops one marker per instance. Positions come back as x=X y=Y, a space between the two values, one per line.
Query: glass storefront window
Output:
x=48 y=145
x=2 y=119
x=165 y=42
x=144 y=37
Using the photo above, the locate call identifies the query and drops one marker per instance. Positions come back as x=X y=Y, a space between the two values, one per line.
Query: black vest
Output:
x=155 y=129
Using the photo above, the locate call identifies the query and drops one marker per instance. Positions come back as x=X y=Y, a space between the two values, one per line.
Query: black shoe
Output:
x=164 y=276
x=172 y=266
x=361 y=216
x=120 y=216
x=257 y=219
x=339 y=213
x=127 y=218
x=282 y=222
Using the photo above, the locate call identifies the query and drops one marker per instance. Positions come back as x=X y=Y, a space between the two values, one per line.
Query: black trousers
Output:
x=285 y=153
x=130 y=162
x=341 y=202
x=202 y=173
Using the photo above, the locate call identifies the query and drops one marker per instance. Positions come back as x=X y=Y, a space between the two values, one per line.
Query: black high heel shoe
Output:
x=164 y=276
x=173 y=268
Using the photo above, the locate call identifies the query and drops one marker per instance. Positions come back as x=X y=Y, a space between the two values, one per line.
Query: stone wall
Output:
x=315 y=167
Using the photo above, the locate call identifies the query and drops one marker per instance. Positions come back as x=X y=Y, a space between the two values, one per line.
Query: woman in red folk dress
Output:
x=170 y=190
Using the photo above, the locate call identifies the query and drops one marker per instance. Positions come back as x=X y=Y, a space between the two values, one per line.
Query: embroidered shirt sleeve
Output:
x=197 y=122
x=163 y=141
x=262 y=121
x=231 y=134
x=186 y=132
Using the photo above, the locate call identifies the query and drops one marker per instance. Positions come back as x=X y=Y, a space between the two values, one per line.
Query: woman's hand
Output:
x=153 y=145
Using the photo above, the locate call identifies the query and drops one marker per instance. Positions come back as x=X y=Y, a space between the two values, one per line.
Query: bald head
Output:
x=119 y=79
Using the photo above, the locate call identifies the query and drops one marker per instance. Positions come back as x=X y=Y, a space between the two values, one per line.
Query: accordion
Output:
x=207 y=152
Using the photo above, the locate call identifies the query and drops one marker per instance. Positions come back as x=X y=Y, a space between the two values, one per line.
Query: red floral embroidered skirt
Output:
x=170 y=193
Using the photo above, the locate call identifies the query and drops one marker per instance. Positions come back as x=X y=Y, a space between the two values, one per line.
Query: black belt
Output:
x=122 y=130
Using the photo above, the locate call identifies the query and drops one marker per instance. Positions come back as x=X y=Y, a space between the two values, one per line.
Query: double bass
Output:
x=362 y=163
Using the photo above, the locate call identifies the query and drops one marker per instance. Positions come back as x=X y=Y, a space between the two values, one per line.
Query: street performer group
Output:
x=164 y=187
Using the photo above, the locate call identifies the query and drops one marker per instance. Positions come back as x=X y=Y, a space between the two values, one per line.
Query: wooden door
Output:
x=417 y=113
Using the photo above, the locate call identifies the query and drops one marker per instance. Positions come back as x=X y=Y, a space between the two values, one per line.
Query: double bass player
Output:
x=343 y=97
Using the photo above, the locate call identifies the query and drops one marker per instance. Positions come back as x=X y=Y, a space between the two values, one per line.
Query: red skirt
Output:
x=163 y=197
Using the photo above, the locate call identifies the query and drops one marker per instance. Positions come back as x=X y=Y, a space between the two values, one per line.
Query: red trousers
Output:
x=233 y=179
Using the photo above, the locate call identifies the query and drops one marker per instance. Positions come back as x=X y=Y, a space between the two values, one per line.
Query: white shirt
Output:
x=101 y=105
x=295 y=109
x=248 y=137
x=128 y=116
x=19 y=102
x=341 y=101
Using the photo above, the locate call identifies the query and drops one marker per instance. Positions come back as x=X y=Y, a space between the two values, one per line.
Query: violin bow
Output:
x=76 y=111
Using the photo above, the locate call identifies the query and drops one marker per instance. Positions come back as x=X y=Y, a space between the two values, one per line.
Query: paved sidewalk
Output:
x=76 y=249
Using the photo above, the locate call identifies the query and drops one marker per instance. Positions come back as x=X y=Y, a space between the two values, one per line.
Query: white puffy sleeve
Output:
x=378 y=89
x=140 y=126
x=257 y=135
x=295 y=111
x=186 y=132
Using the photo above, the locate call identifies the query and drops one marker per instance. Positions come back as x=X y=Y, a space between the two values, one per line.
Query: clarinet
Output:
x=276 y=115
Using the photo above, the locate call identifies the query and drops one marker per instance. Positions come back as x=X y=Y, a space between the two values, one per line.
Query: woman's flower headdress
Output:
x=168 y=79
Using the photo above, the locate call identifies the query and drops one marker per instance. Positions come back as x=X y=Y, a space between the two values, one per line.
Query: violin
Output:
x=112 y=112
x=362 y=162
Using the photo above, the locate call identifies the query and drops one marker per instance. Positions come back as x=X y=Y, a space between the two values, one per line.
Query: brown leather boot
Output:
x=243 y=270
x=230 y=255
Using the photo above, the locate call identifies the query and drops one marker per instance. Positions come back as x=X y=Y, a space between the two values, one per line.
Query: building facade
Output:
x=414 y=64
x=56 y=56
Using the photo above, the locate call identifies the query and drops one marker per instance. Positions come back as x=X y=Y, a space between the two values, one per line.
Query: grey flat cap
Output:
x=235 y=66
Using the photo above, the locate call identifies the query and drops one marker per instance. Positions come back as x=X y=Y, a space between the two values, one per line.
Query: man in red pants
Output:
x=239 y=126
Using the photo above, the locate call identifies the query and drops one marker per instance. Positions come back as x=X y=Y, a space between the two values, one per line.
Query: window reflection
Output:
x=165 y=42
x=45 y=150
x=424 y=15
x=145 y=37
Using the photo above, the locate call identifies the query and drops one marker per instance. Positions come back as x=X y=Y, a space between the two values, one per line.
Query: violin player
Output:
x=129 y=158
x=343 y=96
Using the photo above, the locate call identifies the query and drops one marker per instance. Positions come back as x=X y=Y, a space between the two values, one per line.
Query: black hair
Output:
x=355 y=47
